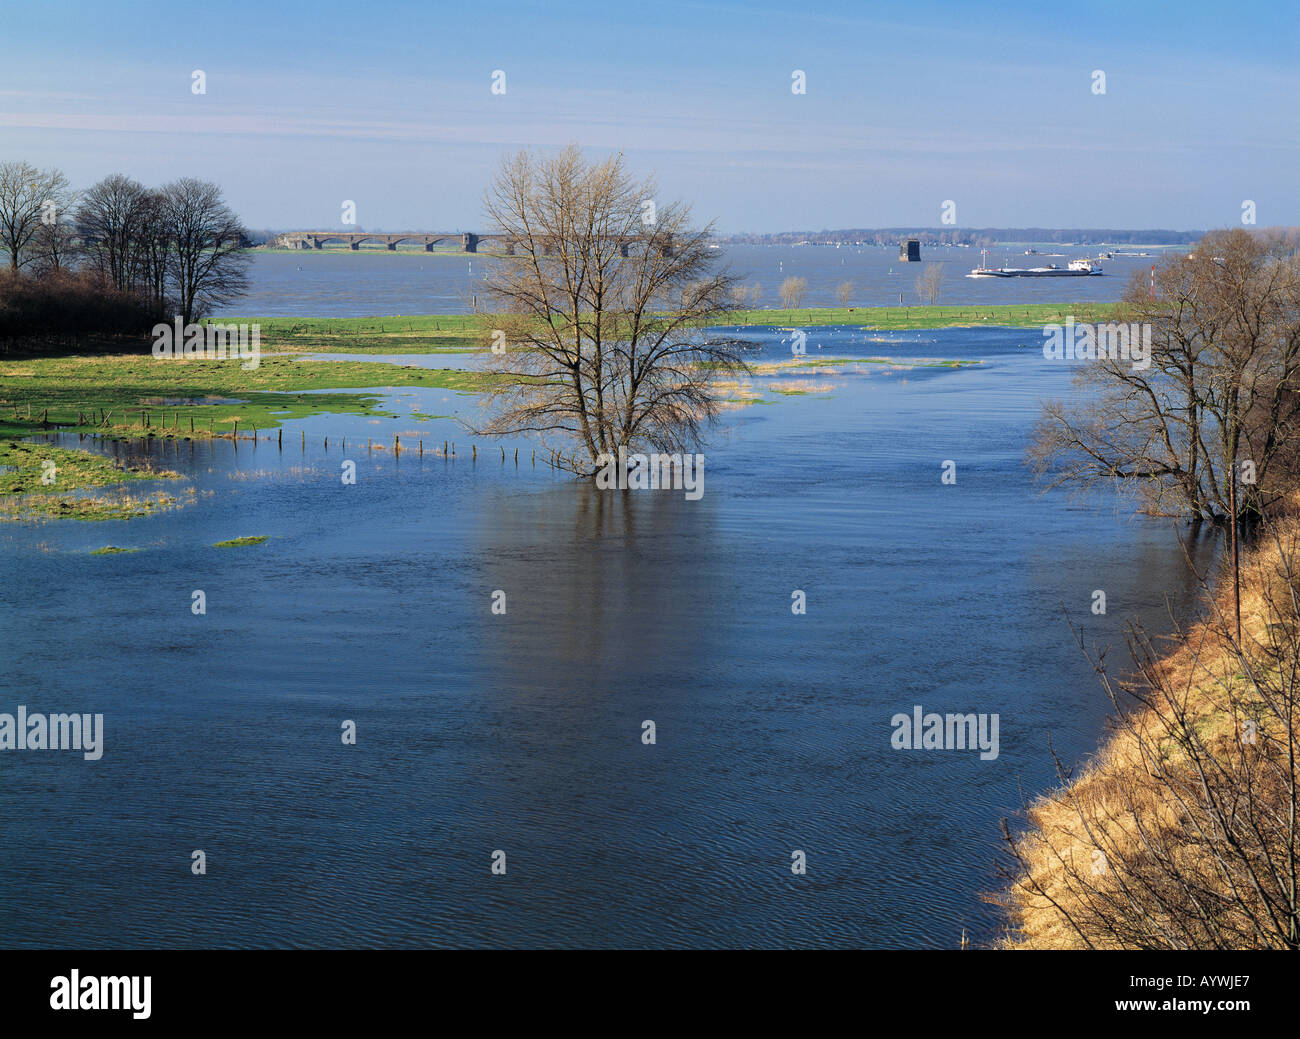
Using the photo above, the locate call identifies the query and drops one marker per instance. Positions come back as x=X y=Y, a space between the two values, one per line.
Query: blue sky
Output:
x=907 y=105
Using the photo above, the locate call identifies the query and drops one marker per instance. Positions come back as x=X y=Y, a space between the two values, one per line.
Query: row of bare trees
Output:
x=179 y=248
x=794 y=289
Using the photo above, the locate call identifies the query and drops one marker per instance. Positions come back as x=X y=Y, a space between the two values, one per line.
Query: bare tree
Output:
x=929 y=283
x=109 y=224
x=844 y=292
x=207 y=263
x=793 y=290
x=754 y=294
x=27 y=194
x=601 y=314
x=1220 y=389
x=152 y=249
x=55 y=246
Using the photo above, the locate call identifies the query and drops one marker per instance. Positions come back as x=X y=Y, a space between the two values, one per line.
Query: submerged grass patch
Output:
x=240 y=542
x=134 y=394
x=42 y=481
x=111 y=550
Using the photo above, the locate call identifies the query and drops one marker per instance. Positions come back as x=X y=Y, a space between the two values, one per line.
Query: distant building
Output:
x=909 y=251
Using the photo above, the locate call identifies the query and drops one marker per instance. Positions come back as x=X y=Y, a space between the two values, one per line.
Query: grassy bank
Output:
x=457 y=333
x=1182 y=831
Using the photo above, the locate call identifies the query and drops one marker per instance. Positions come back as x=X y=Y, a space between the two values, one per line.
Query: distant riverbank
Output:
x=345 y=283
x=457 y=333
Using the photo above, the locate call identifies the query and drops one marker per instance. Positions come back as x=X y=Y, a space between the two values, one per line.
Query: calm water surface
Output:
x=345 y=284
x=522 y=732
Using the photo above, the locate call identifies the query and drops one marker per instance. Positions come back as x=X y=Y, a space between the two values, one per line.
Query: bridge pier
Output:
x=469 y=242
x=623 y=249
x=354 y=246
x=392 y=247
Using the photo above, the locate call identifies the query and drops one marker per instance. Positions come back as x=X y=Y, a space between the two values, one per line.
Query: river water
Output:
x=522 y=733
x=362 y=284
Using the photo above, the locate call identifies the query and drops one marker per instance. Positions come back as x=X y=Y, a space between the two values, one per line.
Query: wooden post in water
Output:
x=304 y=441
x=397 y=443
x=235 y=434
x=474 y=448
x=421 y=443
x=279 y=439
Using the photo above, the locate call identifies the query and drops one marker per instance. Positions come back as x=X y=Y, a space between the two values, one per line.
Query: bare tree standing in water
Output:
x=602 y=302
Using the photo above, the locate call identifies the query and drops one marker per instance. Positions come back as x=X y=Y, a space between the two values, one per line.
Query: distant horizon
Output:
x=904 y=229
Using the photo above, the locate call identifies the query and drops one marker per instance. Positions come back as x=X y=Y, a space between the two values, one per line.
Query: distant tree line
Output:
x=114 y=259
x=978 y=237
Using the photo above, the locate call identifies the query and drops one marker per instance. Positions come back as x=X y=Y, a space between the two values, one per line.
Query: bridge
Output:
x=469 y=241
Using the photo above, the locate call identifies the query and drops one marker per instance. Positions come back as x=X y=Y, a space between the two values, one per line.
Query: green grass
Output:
x=24 y=496
x=889 y=319
x=459 y=333
x=25 y=467
x=141 y=395
x=423 y=334
x=239 y=542
x=111 y=550
x=119 y=395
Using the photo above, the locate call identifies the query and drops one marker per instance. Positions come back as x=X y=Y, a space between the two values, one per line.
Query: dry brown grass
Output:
x=1181 y=832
